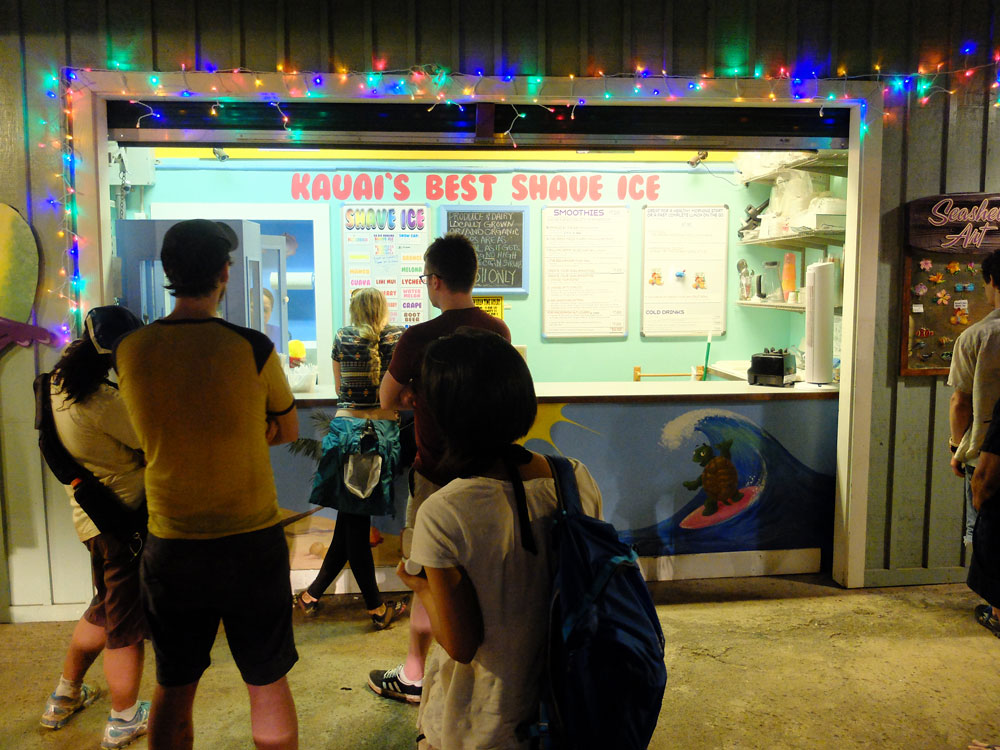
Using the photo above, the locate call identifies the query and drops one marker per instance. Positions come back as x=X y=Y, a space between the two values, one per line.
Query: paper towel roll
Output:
x=294 y=280
x=819 y=322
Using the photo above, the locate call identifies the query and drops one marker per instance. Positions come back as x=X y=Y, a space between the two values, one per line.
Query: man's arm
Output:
x=283 y=428
x=986 y=480
x=394 y=395
x=959 y=420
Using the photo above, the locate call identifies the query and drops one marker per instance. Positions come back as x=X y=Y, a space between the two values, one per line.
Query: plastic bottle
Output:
x=788 y=275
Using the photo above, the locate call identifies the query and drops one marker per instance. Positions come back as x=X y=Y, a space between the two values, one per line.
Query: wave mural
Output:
x=758 y=496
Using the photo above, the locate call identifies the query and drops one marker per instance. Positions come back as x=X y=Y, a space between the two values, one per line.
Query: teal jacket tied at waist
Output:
x=341 y=442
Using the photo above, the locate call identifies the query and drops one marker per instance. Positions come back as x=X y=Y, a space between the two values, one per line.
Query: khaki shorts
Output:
x=421 y=488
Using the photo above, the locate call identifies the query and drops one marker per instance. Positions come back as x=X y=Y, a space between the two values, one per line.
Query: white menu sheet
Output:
x=684 y=261
x=584 y=271
x=383 y=246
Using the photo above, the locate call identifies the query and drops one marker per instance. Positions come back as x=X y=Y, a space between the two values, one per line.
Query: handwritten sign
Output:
x=684 y=261
x=498 y=236
x=585 y=272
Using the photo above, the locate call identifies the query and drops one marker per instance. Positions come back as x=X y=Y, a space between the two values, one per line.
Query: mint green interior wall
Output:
x=747 y=330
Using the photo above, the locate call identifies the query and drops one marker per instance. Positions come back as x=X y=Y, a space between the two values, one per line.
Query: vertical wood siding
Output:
x=951 y=144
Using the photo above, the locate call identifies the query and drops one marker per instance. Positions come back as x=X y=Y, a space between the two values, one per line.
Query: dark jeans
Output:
x=350 y=543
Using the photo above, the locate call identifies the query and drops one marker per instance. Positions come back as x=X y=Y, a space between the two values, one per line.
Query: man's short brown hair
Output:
x=452 y=259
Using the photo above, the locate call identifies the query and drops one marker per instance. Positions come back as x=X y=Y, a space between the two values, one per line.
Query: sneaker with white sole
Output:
x=119 y=733
x=59 y=709
x=389 y=684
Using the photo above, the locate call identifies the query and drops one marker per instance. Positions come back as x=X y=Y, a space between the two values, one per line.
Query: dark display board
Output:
x=949 y=235
x=499 y=238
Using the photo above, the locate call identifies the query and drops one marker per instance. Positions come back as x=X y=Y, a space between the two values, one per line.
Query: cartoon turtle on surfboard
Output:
x=718 y=477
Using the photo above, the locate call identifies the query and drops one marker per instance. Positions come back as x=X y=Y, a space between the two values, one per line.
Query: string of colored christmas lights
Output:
x=432 y=80
x=436 y=83
x=70 y=284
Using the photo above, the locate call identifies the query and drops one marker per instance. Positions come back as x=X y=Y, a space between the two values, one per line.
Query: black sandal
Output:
x=309 y=609
x=392 y=610
x=986 y=618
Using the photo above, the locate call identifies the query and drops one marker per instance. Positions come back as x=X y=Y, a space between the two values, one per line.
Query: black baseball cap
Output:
x=196 y=250
x=105 y=325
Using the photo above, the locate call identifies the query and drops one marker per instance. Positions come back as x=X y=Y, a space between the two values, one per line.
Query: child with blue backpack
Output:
x=486 y=574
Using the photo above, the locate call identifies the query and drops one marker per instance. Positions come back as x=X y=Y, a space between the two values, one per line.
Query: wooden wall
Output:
x=951 y=143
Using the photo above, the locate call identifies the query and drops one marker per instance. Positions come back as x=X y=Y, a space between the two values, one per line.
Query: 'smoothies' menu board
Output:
x=684 y=270
x=383 y=246
x=584 y=271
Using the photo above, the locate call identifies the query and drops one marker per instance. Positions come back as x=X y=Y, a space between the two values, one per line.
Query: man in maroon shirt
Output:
x=450 y=266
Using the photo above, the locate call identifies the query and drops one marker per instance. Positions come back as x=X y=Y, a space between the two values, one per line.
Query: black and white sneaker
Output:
x=390 y=683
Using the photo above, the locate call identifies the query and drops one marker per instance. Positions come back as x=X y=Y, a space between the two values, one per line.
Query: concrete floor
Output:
x=769 y=663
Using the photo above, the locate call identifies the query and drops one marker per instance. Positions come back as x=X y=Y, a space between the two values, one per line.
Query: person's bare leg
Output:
x=273 y=721
x=87 y=642
x=420 y=641
x=171 y=726
x=123 y=671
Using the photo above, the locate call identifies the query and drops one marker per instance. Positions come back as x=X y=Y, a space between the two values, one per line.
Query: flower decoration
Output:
x=972 y=267
x=926 y=264
x=943 y=298
x=954 y=267
x=960 y=318
x=936 y=278
x=920 y=290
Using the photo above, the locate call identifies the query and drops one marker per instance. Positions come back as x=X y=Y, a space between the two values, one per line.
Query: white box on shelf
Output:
x=818 y=221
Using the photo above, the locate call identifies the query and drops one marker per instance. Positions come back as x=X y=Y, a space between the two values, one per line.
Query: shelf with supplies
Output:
x=790 y=306
x=812 y=238
x=800 y=242
x=830 y=162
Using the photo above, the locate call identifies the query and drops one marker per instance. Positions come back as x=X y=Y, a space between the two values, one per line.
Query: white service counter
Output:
x=649 y=390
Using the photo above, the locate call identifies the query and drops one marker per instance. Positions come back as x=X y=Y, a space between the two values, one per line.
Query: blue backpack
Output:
x=605 y=673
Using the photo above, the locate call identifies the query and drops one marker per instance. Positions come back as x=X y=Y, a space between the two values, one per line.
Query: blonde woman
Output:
x=361 y=354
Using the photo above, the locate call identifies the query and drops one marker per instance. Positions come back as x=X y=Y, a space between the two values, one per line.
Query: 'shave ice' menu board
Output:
x=584 y=271
x=383 y=246
x=684 y=270
x=498 y=236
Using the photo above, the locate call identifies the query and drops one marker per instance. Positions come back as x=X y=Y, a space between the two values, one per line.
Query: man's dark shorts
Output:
x=190 y=585
x=984 y=570
x=117 y=605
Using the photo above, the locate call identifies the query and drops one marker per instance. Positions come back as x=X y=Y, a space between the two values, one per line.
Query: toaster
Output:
x=772 y=367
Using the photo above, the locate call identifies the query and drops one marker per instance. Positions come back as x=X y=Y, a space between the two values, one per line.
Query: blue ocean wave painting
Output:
x=781 y=503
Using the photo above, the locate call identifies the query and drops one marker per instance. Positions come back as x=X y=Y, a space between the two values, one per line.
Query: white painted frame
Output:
x=90 y=133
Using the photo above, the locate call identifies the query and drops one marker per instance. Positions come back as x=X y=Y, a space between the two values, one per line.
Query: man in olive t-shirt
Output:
x=207 y=398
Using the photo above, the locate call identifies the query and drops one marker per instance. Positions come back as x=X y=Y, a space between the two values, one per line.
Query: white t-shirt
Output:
x=99 y=434
x=975 y=369
x=473 y=523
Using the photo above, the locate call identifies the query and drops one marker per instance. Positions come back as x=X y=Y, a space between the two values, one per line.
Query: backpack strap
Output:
x=567 y=492
x=66 y=468
x=101 y=504
x=513 y=456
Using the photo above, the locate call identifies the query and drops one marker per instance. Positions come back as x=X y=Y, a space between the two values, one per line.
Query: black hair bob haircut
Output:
x=481 y=394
